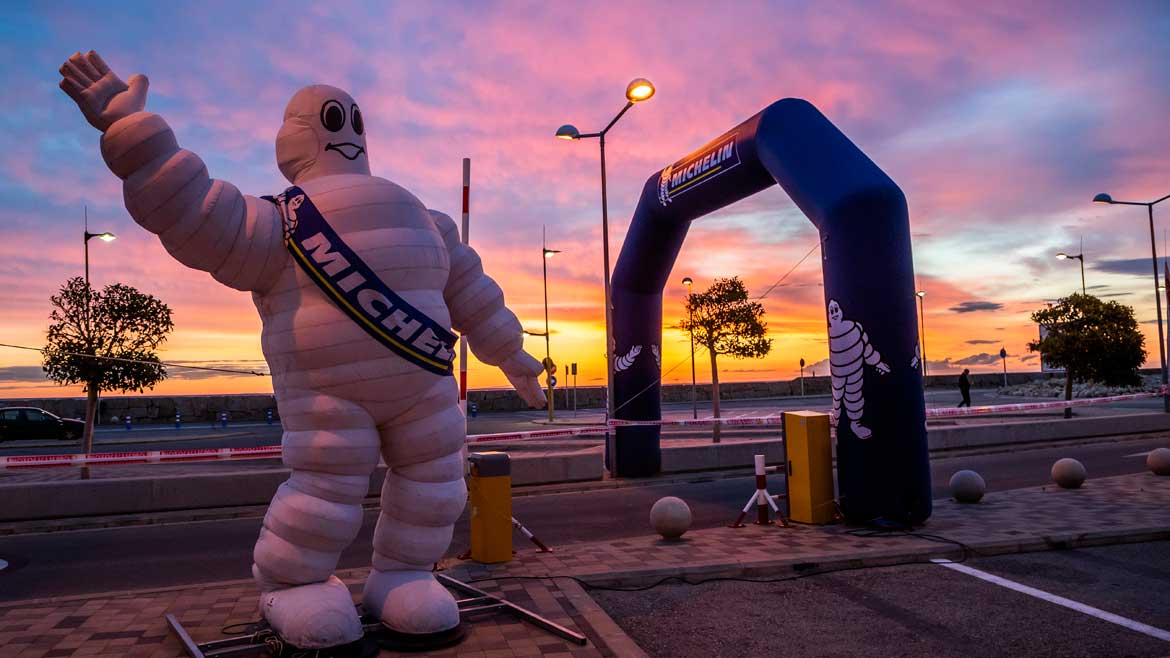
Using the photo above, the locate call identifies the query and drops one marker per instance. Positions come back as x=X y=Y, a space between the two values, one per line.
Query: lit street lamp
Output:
x=546 y=254
x=104 y=236
x=1080 y=257
x=690 y=319
x=639 y=89
x=922 y=334
x=1105 y=198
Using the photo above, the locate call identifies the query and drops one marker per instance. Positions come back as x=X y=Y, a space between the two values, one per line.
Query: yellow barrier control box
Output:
x=810 y=467
x=490 y=491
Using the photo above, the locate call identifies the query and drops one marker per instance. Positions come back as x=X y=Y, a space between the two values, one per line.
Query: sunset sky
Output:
x=999 y=123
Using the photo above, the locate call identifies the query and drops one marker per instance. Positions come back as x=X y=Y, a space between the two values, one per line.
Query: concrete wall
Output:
x=105 y=497
x=205 y=408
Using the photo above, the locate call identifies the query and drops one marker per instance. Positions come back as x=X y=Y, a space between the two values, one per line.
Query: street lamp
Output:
x=1105 y=198
x=104 y=236
x=922 y=334
x=547 y=254
x=639 y=90
x=1080 y=257
x=690 y=320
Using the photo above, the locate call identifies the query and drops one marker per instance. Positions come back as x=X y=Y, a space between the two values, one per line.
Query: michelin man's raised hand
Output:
x=356 y=309
x=101 y=95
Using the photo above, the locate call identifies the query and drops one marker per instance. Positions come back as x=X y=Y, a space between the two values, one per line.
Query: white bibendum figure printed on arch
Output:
x=849 y=353
x=345 y=397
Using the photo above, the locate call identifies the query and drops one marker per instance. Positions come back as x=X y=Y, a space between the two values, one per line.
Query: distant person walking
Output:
x=965 y=388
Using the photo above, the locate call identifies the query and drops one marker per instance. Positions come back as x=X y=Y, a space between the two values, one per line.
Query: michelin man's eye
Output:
x=332 y=116
x=358 y=126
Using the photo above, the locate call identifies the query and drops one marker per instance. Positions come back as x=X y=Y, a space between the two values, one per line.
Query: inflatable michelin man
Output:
x=357 y=284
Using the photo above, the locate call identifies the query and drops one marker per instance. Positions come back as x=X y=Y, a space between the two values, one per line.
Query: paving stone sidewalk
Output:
x=1106 y=510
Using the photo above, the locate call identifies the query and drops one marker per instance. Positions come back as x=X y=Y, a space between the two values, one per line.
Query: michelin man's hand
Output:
x=101 y=95
x=882 y=368
x=522 y=371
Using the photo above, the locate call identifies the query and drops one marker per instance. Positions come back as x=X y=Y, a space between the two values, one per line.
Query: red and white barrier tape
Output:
x=261 y=452
x=537 y=434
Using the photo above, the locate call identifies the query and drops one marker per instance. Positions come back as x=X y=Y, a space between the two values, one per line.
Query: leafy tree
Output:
x=1092 y=340
x=723 y=320
x=121 y=326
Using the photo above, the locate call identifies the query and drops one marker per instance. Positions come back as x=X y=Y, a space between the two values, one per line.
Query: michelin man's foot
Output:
x=861 y=431
x=316 y=616
x=410 y=601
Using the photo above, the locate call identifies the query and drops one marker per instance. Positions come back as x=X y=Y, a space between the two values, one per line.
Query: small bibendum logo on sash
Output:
x=703 y=165
x=356 y=289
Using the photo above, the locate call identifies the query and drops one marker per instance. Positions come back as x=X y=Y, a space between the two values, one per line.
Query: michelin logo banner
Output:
x=706 y=164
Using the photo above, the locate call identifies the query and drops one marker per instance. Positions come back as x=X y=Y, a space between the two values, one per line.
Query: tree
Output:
x=120 y=326
x=1092 y=340
x=725 y=322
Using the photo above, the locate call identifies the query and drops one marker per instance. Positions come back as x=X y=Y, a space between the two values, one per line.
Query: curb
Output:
x=612 y=635
x=873 y=559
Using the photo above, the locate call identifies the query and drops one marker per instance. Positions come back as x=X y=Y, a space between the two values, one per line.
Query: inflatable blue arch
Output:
x=883 y=470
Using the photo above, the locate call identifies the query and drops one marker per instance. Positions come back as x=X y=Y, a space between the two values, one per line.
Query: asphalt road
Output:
x=919 y=610
x=134 y=557
x=251 y=434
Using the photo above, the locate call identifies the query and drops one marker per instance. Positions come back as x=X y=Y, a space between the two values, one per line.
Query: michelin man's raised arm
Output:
x=204 y=223
x=477 y=311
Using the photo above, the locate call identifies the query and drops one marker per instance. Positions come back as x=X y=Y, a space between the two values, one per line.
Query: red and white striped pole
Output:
x=761 y=499
x=463 y=339
x=531 y=537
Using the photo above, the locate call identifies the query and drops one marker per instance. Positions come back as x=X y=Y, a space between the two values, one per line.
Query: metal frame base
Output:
x=266 y=640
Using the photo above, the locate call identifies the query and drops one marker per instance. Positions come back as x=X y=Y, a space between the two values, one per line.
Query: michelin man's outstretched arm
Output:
x=478 y=312
x=872 y=356
x=204 y=223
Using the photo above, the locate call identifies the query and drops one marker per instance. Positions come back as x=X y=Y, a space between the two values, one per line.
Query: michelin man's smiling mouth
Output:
x=345 y=148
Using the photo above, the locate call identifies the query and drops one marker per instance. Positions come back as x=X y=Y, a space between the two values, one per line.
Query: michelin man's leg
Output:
x=331 y=445
x=424 y=493
x=855 y=404
x=838 y=391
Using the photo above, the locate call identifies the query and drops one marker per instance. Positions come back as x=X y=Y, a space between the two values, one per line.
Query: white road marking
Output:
x=1141 y=454
x=3 y=565
x=1058 y=600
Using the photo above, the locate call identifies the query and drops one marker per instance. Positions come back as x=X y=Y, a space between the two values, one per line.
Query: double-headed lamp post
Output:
x=546 y=254
x=688 y=282
x=639 y=89
x=1105 y=198
x=922 y=333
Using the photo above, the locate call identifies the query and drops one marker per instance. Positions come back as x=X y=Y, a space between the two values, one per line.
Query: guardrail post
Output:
x=129 y=422
x=178 y=421
x=223 y=420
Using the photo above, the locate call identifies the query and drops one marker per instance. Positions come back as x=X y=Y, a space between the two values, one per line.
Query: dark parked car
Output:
x=18 y=423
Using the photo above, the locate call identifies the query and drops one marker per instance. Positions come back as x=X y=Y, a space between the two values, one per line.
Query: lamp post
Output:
x=1105 y=198
x=1080 y=257
x=922 y=333
x=688 y=282
x=639 y=89
x=104 y=236
x=546 y=254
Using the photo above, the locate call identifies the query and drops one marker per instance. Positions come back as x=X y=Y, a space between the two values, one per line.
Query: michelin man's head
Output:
x=323 y=134
x=834 y=312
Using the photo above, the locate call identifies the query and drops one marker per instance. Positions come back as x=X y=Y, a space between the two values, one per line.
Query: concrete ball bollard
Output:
x=967 y=486
x=1068 y=473
x=1158 y=461
x=670 y=517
